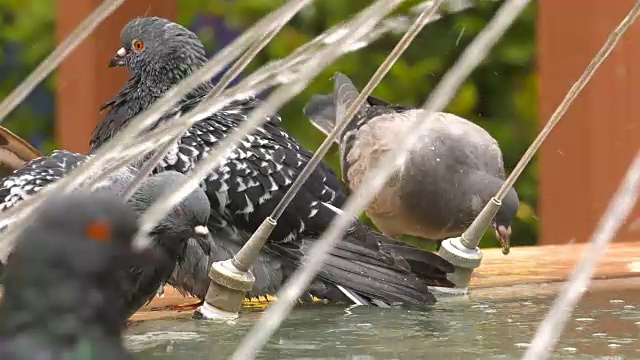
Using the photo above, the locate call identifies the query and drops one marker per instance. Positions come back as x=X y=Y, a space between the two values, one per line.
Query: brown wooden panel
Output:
x=496 y=278
x=539 y=268
x=584 y=159
x=84 y=82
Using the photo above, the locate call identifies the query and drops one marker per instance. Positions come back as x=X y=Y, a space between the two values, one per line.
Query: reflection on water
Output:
x=606 y=325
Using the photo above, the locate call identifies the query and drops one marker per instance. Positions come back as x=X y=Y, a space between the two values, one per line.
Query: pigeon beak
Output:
x=118 y=59
x=201 y=231
x=203 y=237
x=503 y=233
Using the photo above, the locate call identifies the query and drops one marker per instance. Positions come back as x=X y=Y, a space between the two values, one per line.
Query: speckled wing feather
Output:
x=249 y=183
x=245 y=189
x=43 y=171
x=37 y=174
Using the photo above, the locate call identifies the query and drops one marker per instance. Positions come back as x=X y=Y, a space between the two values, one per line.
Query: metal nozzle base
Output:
x=226 y=291
x=464 y=259
x=209 y=312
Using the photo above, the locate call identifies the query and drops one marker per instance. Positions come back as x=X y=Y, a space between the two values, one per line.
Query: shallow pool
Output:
x=606 y=325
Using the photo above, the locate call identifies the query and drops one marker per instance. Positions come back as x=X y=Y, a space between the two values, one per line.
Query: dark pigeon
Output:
x=61 y=300
x=185 y=221
x=170 y=236
x=246 y=187
x=445 y=181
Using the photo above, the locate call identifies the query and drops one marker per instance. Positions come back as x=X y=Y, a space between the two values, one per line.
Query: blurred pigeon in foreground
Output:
x=170 y=236
x=246 y=187
x=60 y=298
x=445 y=180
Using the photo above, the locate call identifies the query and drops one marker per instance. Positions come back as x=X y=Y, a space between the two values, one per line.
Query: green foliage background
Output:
x=501 y=95
x=29 y=24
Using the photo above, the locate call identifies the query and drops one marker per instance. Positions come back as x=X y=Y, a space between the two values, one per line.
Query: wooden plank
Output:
x=84 y=82
x=526 y=269
x=584 y=159
x=552 y=263
x=499 y=275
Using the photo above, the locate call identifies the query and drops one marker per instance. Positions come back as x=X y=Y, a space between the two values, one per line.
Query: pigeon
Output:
x=444 y=182
x=167 y=39
x=131 y=100
x=186 y=221
x=60 y=298
x=170 y=236
x=250 y=182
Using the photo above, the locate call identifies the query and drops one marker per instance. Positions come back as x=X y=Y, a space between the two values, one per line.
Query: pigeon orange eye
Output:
x=138 y=45
x=99 y=231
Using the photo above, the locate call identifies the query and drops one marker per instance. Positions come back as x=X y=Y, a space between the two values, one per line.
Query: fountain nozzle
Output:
x=463 y=251
x=231 y=278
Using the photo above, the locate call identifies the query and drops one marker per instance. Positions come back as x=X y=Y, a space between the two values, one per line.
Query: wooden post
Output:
x=84 y=82
x=584 y=159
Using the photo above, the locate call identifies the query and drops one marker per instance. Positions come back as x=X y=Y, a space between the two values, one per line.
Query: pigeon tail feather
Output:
x=379 y=268
x=324 y=110
x=344 y=95
x=321 y=111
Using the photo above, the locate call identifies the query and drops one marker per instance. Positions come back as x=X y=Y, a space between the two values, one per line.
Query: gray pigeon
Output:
x=248 y=185
x=185 y=221
x=61 y=300
x=170 y=53
x=445 y=180
x=150 y=45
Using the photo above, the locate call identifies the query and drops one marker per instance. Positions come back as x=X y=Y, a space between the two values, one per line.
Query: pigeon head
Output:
x=72 y=219
x=485 y=186
x=158 y=50
x=59 y=275
x=159 y=54
x=186 y=220
x=502 y=221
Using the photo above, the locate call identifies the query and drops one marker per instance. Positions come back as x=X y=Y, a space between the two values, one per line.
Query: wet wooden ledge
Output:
x=525 y=266
x=499 y=276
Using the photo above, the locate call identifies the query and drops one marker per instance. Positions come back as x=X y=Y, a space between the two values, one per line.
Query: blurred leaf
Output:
x=27 y=37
